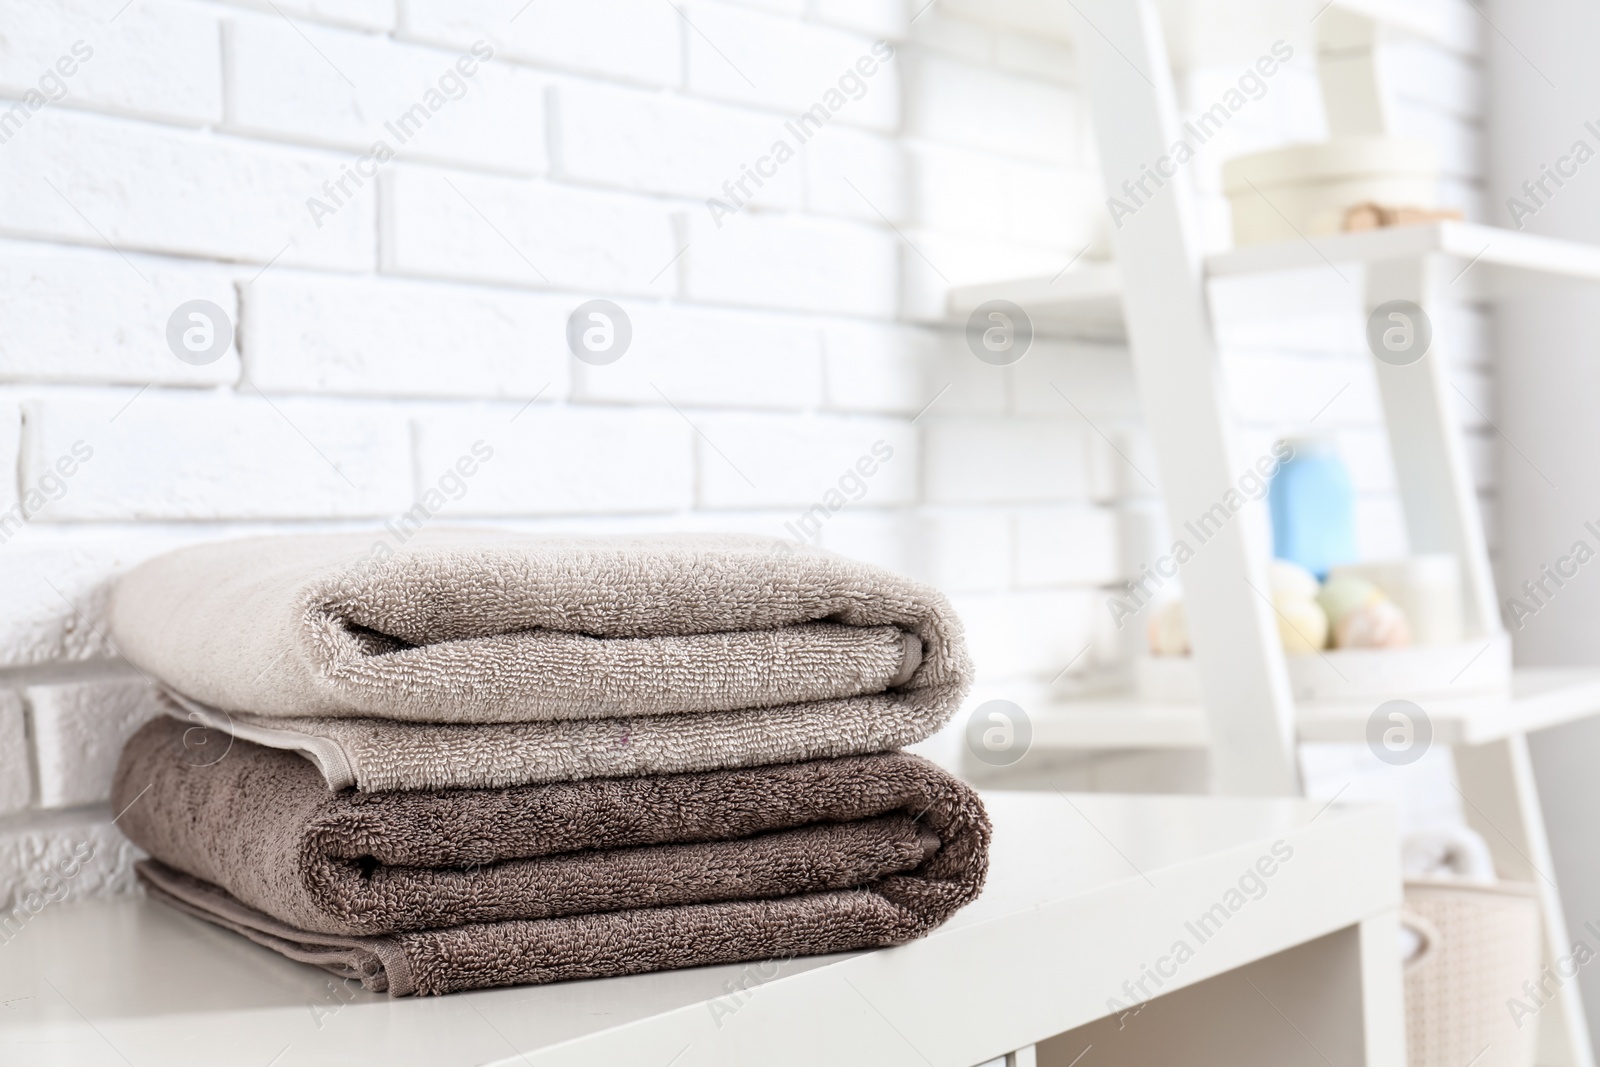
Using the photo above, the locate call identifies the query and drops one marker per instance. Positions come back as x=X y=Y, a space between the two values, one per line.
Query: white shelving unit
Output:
x=1156 y=295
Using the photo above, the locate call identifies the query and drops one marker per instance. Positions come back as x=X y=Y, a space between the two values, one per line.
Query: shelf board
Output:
x=1086 y=301
x=1083 y=301
x=1539 y=698
x=129 y=980
x=1496 y=252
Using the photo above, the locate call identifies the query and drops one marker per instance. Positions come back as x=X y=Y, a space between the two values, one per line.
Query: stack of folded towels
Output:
x=486 y=758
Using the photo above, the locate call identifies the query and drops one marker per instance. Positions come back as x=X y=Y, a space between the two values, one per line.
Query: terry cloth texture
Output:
x=376 y=755
x=604 y=945
x=858 y=851
x=483 y=626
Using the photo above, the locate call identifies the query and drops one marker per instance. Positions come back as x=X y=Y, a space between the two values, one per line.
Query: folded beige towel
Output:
x=620 y=655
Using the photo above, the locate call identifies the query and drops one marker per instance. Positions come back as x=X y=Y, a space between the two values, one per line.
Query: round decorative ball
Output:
x=1302 y=625
x=1380 y=624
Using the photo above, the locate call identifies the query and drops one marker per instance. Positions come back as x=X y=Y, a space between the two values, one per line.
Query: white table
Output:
x=1084 y=892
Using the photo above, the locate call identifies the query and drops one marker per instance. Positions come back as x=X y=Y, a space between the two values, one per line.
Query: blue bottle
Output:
x=1313 y=507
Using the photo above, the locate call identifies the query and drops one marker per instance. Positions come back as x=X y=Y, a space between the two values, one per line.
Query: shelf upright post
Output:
x=1436 y=488
x=1244 y=680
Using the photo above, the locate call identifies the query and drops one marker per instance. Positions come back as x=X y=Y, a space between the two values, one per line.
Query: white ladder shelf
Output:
x=1156 y=296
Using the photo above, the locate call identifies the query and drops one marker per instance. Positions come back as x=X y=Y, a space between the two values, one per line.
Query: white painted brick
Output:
x=964 y=384
x=68 y=855
x=804 y=265
x=857 y=175
x=1143 y=536
x=1054 y=21
x=1053 y=206
x=157 y=60
x=881 y=18
x=315 y=333
x=755 y=58
x=632 y=139
x=798 y=462
x=965 y=551
x=635 y=40
x=56 y=581
x=1293 y=389
x=1026 y=634
x=883 y=538
x=955 y=188
x=1036 y=57
x=78 y=733
x=1460 y=144
x=695 y=358
x=977 y=192
x=1077 y=381
x=1122 y=465
x=1426 y=74
x=235 y=457
x=932 y=263
x=10 y=457
x=350 y=90
x=554 y=460
x=939 y=31
x=871 y=367
x=156 y=189
x=1003 y=461
x=81 y=315
x=16 y=775
x=528 y=233
x=1293 y=310
x=1066 y=546
x=960 y=103
x=793 y=8
x=364 y=14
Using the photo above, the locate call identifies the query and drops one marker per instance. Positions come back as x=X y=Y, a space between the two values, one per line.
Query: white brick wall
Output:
x=81 y=315
x=321 y=333
x=16 y=773
x=78 y=732
x=156 y=60
x=444 y=224
x=350 y=90
x=394 y=314
x=175 y=191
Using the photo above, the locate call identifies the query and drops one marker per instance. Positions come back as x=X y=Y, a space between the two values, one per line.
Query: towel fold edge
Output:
x=332 y=760
x=387 y=969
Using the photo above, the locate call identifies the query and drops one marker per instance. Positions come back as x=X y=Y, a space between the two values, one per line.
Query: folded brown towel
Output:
x=604 y=945
x=541 y=883
x=614 y=655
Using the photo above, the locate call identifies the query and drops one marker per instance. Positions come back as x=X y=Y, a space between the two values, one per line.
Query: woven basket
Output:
x=1480 y=943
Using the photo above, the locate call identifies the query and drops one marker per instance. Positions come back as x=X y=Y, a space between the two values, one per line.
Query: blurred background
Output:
x=684 y=265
